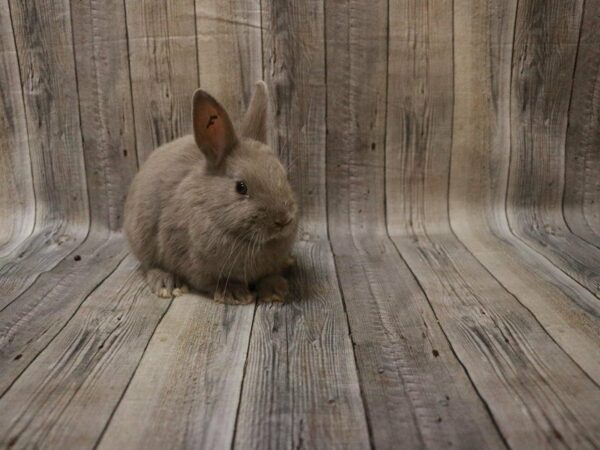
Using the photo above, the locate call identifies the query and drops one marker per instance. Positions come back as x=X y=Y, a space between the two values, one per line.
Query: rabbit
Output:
x=214 y=210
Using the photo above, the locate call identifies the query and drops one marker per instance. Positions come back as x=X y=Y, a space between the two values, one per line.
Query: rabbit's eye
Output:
x=241 y=187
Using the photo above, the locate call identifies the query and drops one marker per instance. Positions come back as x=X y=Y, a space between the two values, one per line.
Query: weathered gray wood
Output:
x=419 y=116
x=294 y=69
x=42 y=32
x=229 y=51
x=66 y=396
x=105 y=103
x=499 y=342
x=416 y=392
x=164 y=69
x=536 y=393
x=479 y=171
x=34 y=318
x=582 y=159
x=398 y=342
x=356 y=109
x=544 y=60
x=17 y=204
x=44 y=45
x=186 y=390
x=301 y=367
x=467 y=130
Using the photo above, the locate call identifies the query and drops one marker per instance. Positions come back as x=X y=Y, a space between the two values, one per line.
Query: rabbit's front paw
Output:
x=164 y=284
x=234 y=293
x=272 y=288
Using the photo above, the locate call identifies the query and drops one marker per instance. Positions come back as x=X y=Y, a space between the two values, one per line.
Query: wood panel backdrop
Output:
x=446 y=155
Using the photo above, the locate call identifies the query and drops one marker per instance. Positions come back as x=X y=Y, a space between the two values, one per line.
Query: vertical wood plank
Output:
x=43 y=36
x=419 y=116
x=294 y=61
x=479 y=317
x=164 y=69
x=582 y=159
x=388 y=314
x=17 y=203
x=356 y=108
x=480 y=159
x=229 y=51
x=44 y=43
x=105 y=103
x=545 y=48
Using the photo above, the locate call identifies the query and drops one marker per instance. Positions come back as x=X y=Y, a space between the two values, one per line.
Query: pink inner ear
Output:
x=215 y=130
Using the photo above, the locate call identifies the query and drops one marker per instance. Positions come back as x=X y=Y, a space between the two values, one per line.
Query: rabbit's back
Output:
x=151 y=191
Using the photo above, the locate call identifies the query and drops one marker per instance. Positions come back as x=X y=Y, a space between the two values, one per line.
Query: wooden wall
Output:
x=415 y=106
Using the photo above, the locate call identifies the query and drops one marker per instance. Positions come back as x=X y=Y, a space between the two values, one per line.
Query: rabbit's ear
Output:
x=255 y=123
x=213 y=130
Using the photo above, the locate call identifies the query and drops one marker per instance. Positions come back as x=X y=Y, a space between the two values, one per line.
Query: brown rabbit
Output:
x=215 y=211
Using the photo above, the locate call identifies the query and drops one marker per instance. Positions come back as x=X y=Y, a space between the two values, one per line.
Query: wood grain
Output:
x=66 y=396
x=105 y=103
x=294 y=69
x=301 y=387
x=17 y=204
x=229 y=51
x=35 y=317
x=582 y=163
x=398 y=341
x=544 y=63
x=479 y=173
x=480 y=318
x=164 y=69
x=444 y=155
x=189 y=380
x=43 y=38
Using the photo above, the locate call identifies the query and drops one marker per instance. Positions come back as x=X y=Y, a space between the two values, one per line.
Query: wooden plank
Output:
x=399 y=346
x=356 y=112
x=35 y=317
x=582 y=160
x=416 y=392
x=294 y=69
x=101 y=54
x=44 y=44
x=42 y=32
x=229 y=51
x=66 y=396
x=525 y=378
x=535 y=391
x=17 y=204
x=188 y=382
x=419 y=115
x=545 y=60
x=164 y=69
x=301 y=387
x=480 y=159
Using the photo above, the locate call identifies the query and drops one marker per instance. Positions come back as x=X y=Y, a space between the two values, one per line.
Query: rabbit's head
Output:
x=248 y=195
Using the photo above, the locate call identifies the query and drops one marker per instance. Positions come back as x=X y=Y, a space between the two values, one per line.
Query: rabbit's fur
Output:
x=188 y=221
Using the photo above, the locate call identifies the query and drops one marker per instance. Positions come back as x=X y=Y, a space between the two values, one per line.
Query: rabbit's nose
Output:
x=281 y=223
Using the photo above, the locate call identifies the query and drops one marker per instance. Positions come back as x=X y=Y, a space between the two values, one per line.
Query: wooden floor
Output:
x=445 y=155
x=389 y=341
